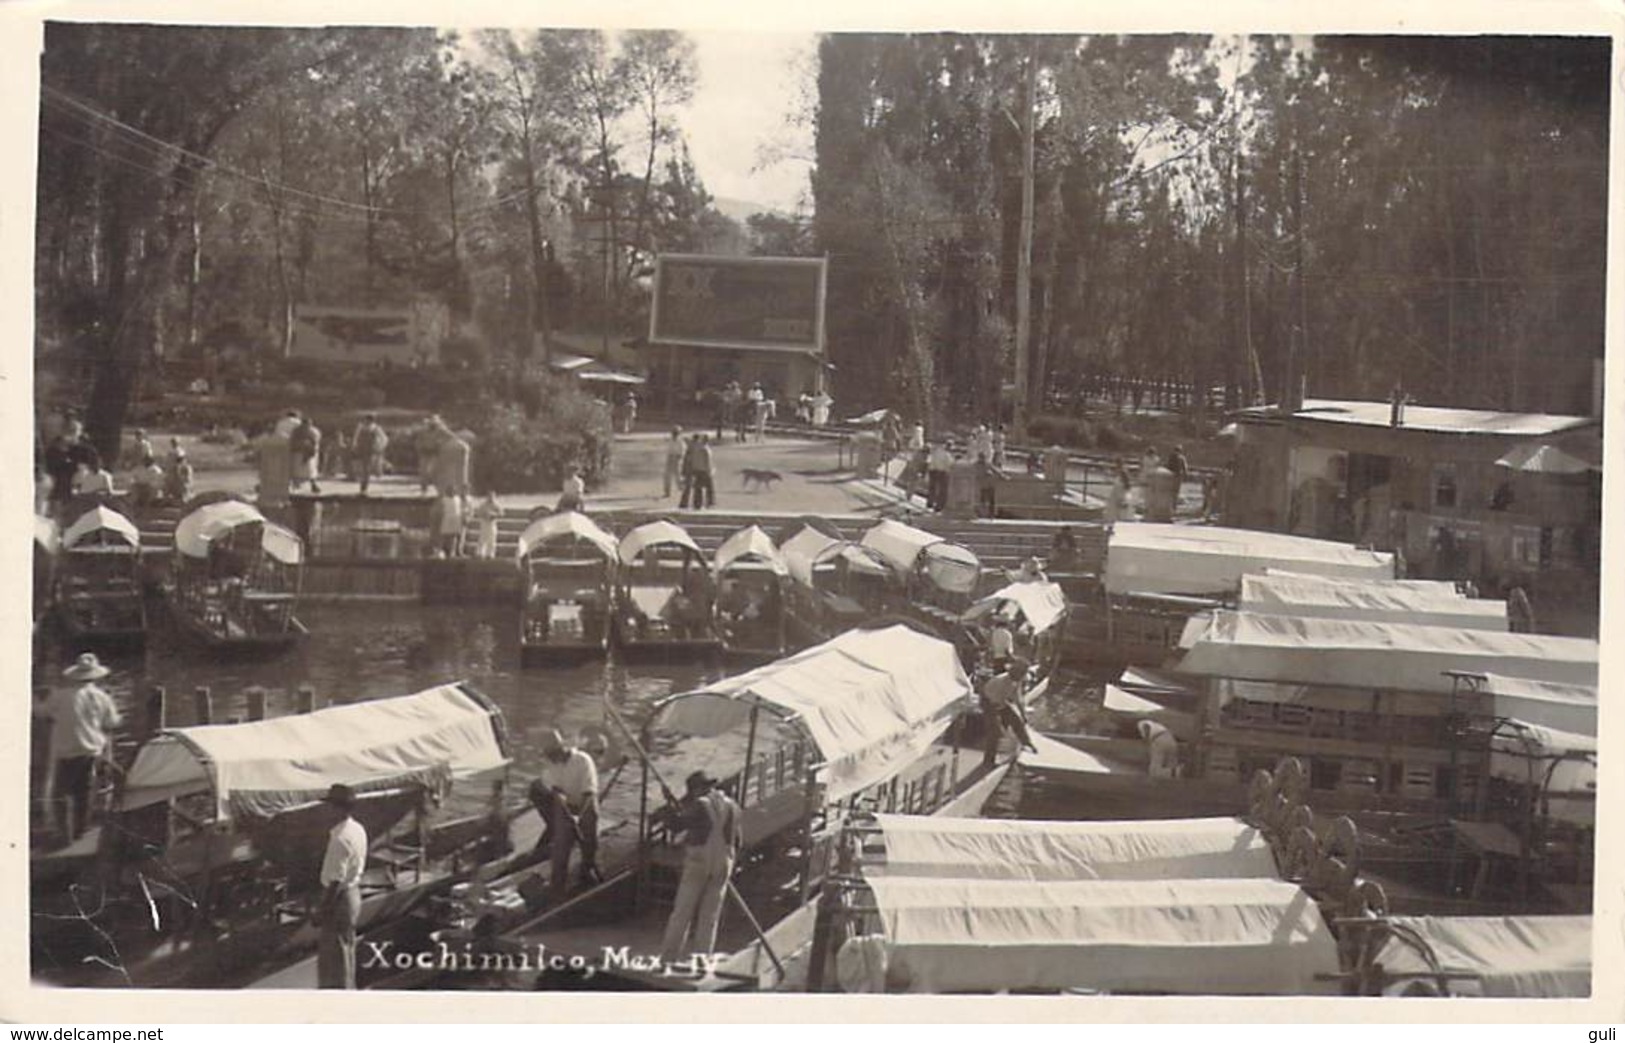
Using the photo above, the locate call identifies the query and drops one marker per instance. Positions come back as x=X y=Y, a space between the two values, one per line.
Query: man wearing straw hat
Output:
x=340 y=907
x=710 y=848
x=81 y=714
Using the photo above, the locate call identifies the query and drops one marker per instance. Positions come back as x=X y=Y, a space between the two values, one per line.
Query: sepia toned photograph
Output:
x=826 y=513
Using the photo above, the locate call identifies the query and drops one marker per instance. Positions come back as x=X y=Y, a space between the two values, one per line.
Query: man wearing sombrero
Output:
x=81 y=714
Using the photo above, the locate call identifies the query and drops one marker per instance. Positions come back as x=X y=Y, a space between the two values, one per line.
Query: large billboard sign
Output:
x=764 y=303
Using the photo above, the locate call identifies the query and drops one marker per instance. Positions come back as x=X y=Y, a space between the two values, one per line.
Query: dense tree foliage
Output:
x=197 y=185
x=1341 y=213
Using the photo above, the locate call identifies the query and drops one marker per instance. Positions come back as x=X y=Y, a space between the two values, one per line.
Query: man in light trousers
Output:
x=710 y=849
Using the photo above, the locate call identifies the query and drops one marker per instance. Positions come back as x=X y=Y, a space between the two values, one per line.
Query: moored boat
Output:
x=99 y=598
x=1033 y=614
x=663 y=593
x=859 y=722
x=835 y=584
x=567 y=569
x=207 y=862
x=751 y=576
x=236 y=579
x=940 y=579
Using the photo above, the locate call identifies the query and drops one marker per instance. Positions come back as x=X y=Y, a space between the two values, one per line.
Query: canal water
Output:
x=359 y=651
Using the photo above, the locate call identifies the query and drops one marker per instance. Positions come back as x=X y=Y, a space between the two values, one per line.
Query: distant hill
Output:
x=740 y=209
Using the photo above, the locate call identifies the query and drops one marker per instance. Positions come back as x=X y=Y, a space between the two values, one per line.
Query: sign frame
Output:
x=816 y=348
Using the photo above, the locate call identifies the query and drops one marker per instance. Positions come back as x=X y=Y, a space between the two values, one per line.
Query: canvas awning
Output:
x=1544 y=459
x=1513 y=957
x=1376 y=656
x=1344 y=599
x=265 y=767
x=102 y=519
x=1155 y=558
x=1566 y=708
x=208 y=523
x=1012 y=849
x=1203 y=937
x=747 y=544
x=948 y=565
x=655 y=534
x=1438 y=588
x=1041 y=603
x=872 y=701
x=809 y=548
x=572 y=525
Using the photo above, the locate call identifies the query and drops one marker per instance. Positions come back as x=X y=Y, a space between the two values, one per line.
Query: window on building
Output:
x=1444 y=486
x=1324 y=774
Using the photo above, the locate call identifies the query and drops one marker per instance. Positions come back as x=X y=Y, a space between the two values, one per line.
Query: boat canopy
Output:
x=1013 y=849
x=1566 y=708
x=654 y=534
x=872 y=701
x=809 y=548
x=747 y=544
x=198 y=530
x=1042 y=603
x=261 y=768
x=572 y=524
x=102 y=519
x=1375 y=656
x=1378 y=602
x=1515 y=957
x=1223 y=937
x=948 y=565
x=1158 y=558
x=46 y=536
x=1439 y=588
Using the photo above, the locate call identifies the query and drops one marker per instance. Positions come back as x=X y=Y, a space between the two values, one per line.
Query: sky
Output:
x=748 y=86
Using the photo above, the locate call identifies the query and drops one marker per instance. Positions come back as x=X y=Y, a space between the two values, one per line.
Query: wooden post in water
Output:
x=256 y=703
x=152 y=721
x=203 y=705
x=305 y=699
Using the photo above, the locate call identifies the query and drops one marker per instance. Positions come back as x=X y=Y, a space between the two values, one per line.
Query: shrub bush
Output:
x=1054 y=429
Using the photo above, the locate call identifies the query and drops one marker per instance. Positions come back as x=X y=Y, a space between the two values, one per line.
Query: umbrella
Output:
x=1544 y=459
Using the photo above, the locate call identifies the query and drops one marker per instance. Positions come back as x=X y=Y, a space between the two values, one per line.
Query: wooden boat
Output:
x=663 y=593
x=98 y=584
x=1035 y=613
x=236 y=579
x=751 y=577
x=1505 y=957
x=864 y=721
x=835 y=584
x=207 y=865
x=939 y=579
x=567 y=566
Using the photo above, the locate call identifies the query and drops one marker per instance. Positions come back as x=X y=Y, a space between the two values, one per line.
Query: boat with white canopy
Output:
x=861 y=721
x=751 y=576
x=1034 y=614
x=1376 y=602
x=236 y=578
x=1502 y=957
x=835 y=584
x=226 y=822
x=664 y=594
x=567 y=565
x=98 y=582
x=935 y=573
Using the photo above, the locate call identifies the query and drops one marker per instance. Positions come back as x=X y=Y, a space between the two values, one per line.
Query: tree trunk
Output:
x=1024 y=254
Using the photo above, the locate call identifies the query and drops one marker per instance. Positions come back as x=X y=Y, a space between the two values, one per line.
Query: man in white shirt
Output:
x=936 y=476
x=340 y=906
x=566 y=797
x=81 y=714
x=1162 y=750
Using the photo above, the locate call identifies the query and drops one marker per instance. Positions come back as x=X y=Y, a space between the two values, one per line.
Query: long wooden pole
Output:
x=733 y=892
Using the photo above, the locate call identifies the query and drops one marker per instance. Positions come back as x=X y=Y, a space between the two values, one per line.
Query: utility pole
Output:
x=1024 y=255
